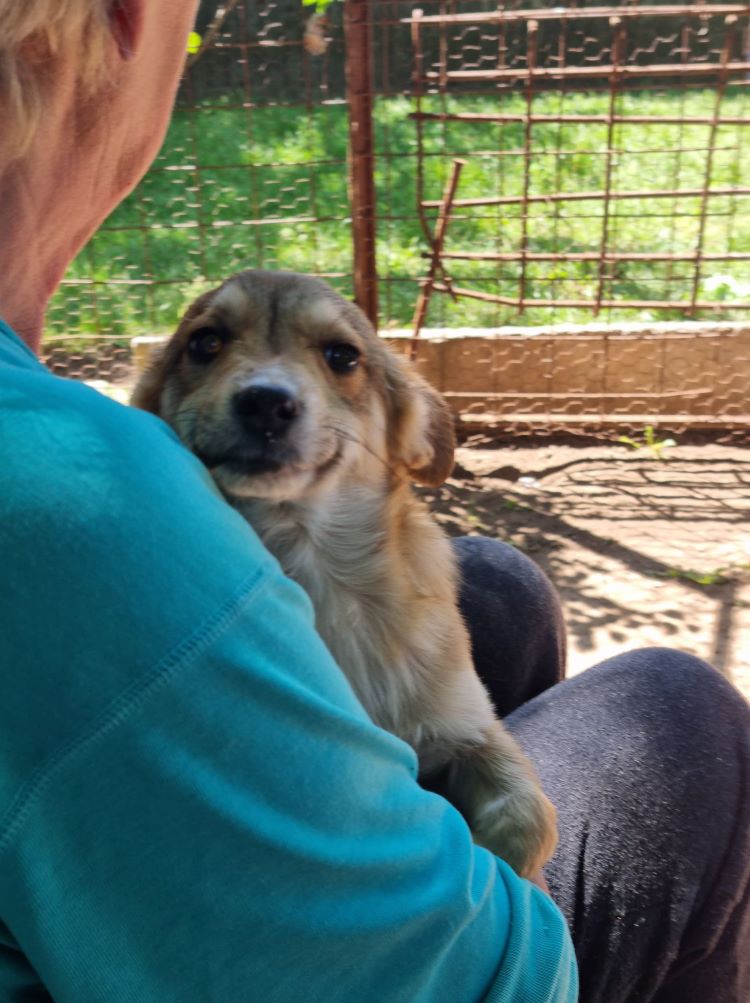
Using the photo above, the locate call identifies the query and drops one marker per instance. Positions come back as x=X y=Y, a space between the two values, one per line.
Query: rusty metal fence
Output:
x=466 y=166
x=693 y=44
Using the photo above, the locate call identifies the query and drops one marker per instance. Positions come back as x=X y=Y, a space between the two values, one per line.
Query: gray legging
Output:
x=647 y=758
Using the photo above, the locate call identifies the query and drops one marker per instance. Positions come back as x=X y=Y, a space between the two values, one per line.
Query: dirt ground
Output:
x=644 y=551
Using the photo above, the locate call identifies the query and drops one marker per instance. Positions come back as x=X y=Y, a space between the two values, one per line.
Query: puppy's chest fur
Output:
x=381 y=578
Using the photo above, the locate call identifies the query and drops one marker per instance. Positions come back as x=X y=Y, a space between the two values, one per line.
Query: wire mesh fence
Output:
x=606 y=178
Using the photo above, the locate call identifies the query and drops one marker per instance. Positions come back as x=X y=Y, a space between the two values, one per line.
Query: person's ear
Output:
x=126 y=23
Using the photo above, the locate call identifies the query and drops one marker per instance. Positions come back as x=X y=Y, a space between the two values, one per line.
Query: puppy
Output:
x=314 y=430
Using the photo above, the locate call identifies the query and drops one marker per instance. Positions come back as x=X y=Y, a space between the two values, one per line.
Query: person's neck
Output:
x=37 y=241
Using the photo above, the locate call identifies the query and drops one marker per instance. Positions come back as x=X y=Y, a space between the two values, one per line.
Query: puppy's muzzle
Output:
x=265 y=412
x=263 y=417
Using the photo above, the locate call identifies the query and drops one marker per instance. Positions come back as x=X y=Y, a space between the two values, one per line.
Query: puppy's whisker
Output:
x=349 y=436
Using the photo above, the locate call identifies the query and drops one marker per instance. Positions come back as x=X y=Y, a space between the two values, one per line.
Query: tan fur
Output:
x=340 y=516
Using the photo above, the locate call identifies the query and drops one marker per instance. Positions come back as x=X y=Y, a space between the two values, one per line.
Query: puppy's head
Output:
x=280 y=386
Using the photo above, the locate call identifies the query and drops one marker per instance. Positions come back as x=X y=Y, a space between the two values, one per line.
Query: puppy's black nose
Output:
x=269 y=410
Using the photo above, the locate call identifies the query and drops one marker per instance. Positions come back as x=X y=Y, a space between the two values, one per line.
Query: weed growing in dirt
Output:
x=716 y=577
x=719 y=576
x=649 y=441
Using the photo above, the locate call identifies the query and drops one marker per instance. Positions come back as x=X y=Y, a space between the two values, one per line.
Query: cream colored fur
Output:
x=339 y=513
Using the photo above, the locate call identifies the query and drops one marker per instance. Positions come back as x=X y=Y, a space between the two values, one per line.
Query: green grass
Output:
x=195 y=217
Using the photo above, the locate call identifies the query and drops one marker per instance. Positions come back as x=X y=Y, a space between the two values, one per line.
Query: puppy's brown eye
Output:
x=205 y=344
x=341 y=356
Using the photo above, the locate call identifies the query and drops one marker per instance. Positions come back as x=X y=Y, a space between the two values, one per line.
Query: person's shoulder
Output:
x=69 y=454
x=55 y=417
x=116 y=548
x=92 y=483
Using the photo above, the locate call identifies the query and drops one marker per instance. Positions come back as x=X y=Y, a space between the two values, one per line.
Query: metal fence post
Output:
x=361 y=159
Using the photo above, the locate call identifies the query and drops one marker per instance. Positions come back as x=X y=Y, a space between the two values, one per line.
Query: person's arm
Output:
x=211 y=814
x=238 y=829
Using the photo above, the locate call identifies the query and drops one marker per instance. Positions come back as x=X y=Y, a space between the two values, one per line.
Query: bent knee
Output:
x=675 y=687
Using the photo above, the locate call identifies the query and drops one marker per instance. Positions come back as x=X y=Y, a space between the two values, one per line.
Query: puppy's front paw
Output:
x=520 y=827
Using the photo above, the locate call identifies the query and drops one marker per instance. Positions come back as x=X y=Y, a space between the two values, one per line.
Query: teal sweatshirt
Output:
x=193 y=804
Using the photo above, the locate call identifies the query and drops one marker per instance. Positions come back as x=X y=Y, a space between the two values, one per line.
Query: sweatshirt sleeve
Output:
x=195 y=806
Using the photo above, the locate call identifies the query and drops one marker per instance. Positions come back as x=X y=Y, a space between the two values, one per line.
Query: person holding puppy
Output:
x=193 y=804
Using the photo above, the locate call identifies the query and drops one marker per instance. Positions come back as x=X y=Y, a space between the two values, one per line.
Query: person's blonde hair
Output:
x=34 y=35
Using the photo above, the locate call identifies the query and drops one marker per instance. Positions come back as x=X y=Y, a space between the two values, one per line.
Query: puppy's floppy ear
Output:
x=421 y=436
x=149 y=387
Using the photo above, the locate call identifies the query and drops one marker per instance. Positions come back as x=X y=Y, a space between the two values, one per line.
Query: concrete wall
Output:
x=698 y=374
